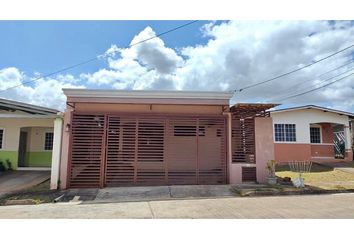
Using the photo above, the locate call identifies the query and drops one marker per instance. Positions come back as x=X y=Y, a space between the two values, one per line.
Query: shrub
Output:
x=271 y=168
x=2 y=167
x=9 y=164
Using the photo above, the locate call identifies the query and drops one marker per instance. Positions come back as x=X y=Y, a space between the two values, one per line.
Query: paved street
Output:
x=310 y=206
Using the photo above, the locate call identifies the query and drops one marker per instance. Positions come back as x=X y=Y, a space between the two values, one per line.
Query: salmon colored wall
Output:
x=64 y=150
x=236 y=172
x=164 y=101
x=327 y=132
x=319 y=150
x=287 y=152
x=264 y=152
x=349 y=155
x=147 y=108
x=264 y=146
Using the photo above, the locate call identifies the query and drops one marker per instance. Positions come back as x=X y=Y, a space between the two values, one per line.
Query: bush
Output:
x=2 y=167
x=271 y=164
x=9 y=164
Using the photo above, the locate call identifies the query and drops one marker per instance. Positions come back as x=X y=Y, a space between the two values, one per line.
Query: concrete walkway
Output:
x=310 y=206
x=18 y=180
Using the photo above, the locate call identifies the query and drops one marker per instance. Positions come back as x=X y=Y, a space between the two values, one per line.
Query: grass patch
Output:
x=322 y=177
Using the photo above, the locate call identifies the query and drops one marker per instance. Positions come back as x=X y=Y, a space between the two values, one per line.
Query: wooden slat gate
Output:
x=122 y=150
x=86 y=151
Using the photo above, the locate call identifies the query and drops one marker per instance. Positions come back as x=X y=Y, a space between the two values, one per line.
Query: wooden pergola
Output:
x=243 y=129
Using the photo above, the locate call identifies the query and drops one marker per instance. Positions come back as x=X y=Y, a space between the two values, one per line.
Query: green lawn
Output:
x=321 y=177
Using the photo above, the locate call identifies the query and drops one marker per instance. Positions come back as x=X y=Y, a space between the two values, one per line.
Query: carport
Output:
x=144 y=138
x=154 y=138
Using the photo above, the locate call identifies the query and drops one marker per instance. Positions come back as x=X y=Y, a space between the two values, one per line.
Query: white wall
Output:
x=303 y=119
x=37 y=138
x=12 y=130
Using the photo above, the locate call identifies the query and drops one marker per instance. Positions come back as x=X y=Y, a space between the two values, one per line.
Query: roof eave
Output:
x=27 y=107
x=146 y=94
x=314 y=107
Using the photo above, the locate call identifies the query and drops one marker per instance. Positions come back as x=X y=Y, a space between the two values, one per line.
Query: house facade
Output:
x=134 y=138
x=26 y=135
x=312 y=133
x=115 y=138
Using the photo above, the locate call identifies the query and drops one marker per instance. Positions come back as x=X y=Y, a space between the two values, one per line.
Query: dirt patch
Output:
x=34 y=195
x=279 y=190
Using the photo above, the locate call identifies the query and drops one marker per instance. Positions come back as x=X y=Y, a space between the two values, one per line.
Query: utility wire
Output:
x=97 y=57
x=293 y=71
x=348 y=63
x=315 y=89
x=320 y=82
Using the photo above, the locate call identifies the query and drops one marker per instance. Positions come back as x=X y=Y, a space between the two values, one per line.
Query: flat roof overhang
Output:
x=148 y=97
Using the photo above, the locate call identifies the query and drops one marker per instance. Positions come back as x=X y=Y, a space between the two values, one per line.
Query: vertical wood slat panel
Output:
x=212 y=151
x=249 y=174
x=87 y=138
x=243 y=139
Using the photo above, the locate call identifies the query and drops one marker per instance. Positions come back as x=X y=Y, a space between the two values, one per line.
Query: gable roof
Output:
x=314 y=107
x=10 y=105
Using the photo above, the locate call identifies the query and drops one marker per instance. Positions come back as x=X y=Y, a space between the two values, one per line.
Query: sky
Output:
x=206 y=56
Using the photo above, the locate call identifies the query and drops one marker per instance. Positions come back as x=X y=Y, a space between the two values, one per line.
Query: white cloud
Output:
x=237 y=54
x=43 y=92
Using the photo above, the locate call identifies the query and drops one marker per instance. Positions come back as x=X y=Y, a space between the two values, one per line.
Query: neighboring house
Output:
x=132 y=138
x=312 y=133
x=26 y=135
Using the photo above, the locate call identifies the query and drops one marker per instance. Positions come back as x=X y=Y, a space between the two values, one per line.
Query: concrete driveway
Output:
x=309 y=206
x=13 y=181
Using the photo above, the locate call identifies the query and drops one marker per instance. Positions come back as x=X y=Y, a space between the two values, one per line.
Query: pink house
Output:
x=133 y=138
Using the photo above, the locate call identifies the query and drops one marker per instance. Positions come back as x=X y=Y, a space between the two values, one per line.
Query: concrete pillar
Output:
x=264 y=146
x=56 y=154
x=65 y=148
x=229 y=146
x=348 y=144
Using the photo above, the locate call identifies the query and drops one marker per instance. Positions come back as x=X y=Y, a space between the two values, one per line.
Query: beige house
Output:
x=26 y=135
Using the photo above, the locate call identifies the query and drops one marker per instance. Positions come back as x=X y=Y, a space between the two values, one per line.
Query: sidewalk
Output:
x=305 y=206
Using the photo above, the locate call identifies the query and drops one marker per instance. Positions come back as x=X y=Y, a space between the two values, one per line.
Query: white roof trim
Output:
x=313 y=107
x=223 y=95
x=20 y=106
x=28 y=116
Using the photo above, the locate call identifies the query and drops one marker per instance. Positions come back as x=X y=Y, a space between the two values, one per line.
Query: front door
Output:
x=22 y=149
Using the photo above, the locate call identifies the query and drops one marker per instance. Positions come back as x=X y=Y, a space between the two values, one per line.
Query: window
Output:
x=188 y=131
x=315 y=135
x=285 y=132
x=1 y=138
x=48 y=143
